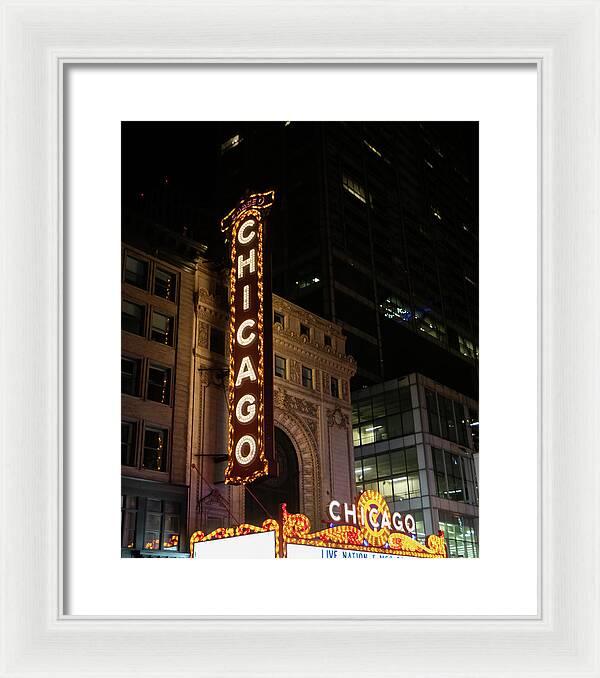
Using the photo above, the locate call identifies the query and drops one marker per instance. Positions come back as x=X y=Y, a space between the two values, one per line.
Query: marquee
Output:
x=370 y=536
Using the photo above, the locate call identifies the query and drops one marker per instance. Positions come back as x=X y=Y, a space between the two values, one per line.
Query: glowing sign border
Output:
x=294 y=528
x=250 y=207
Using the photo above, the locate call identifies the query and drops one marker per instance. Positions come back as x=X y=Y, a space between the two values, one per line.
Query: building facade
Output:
x=416 y=442
x=311 y=415
x=157 y=314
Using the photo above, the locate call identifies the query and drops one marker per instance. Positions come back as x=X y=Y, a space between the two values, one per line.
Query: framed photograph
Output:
x=343 y=240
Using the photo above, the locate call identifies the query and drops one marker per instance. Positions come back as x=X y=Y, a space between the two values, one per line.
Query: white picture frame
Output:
x=562 y=38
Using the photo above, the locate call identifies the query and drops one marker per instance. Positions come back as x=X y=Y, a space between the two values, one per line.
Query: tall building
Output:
x=375 y=227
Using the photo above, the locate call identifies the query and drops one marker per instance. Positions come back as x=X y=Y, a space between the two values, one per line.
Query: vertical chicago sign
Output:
x=250 y=397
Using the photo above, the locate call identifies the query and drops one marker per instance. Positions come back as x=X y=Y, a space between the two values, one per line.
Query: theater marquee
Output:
x=250 y=427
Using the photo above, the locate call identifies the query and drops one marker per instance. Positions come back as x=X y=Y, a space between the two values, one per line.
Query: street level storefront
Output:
x=364 y=529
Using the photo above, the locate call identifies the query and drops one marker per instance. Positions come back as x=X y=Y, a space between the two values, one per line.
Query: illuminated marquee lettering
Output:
x=372 y=515
x=250 y=425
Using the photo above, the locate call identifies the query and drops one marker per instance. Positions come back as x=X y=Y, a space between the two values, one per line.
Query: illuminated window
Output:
x=467 y=348
x=335 y=387
x=159 y=384
x=127 y=443
x=394 y=474
x=279 y=318
x=217 y=341
x=280 y=367
x=307 y=377
x=354 y=188
x=372 y=148
x=130 y=376
x=155 y=449
x=383 y=416
x=304 y=330
x=432 y=327
x=164 y=284
x=162 y=329
x=136 y=272
x=436 y=213
x=460 y=533
x=307 y=282
x=231 y=143
x=132 y=317
x=161 y=529
x=129 y=512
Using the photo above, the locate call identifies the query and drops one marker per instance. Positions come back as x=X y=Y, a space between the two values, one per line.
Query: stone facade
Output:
x=311 y=406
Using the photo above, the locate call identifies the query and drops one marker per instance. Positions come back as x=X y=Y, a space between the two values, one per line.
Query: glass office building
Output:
x=415 y=442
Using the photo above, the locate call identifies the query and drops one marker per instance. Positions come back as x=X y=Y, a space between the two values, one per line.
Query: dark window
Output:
x=130 y=376
x=335 y=387
x=217 y=341
x=455 y=476
x=155 y=449
x=162 y=329
x=280 y=370
x=327 y=340
x=132 y=317
x=304 y=330
x=127 y=443
x=279 y=318
x=307 y=377
x=159 y=384
x=165 y=284
x=136 y=272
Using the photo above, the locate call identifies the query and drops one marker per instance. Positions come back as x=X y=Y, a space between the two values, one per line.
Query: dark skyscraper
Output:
x=375 y=227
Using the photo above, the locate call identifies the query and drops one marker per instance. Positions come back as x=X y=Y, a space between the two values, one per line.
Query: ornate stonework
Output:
x=306 y=447
x=202 y=339
x=337 y=418
x=286 y=401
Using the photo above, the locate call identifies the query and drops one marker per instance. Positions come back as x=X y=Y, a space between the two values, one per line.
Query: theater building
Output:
x=311 y=397
x=416 y=442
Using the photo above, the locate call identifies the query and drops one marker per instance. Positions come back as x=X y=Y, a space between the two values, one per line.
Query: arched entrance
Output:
x=282 y=488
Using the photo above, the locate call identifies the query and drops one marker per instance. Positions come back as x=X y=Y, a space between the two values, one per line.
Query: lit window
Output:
x=159 y=384
x=231 y=143
x=307 y=377
x=354 y=188
x=280 y=367
x=307 y=282
x=164 y=284
x=162 y=329
x=132 y=317
x=161 y=530
x=155 y=449
x=436 y=213
x=372 y=148
x=432 y=327
x=128 y=521
x=136 y=272
x=467 y=348
x=130 y=376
